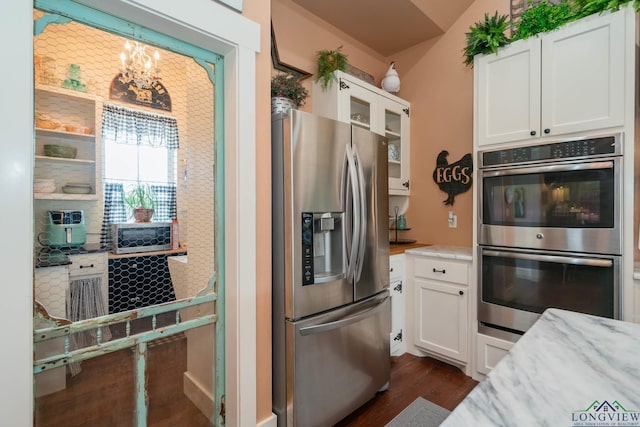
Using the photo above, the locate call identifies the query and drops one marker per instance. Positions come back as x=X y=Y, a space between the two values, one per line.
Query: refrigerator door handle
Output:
x=355 y=238
x=363 y=214
x=324 y=327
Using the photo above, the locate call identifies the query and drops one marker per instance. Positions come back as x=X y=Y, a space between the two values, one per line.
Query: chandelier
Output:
x=138 y=67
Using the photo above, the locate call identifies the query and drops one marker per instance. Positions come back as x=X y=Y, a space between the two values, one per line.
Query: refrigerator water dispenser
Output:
x=322 y=247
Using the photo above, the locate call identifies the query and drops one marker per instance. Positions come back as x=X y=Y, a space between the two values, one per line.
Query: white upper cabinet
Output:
x=508 y=93
x=583 y=76
x=569 y=80
x=355 y=101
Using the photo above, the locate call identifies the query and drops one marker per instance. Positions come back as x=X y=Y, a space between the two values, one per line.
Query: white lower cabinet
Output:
x=441 y=308
x=490 y=351
x=397 y=291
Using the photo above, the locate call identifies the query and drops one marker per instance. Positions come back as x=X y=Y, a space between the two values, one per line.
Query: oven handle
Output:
x=592 y=262
x=609 y=164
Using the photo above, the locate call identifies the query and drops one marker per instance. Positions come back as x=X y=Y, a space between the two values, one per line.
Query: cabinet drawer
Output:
x=396 y=267
x=88 y=264
x=443 y=270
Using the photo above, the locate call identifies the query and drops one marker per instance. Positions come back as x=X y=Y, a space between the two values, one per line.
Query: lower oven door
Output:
x=515 y=287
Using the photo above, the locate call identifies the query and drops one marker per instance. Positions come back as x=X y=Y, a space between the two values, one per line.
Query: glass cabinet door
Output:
x=396 y=129
x=359 y=107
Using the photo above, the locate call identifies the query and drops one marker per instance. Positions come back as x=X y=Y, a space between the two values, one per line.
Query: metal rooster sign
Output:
x=454 y=178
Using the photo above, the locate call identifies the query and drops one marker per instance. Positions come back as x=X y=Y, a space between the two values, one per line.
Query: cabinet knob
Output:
x=547 y=130
x=405 y=184
x=461 y=292
x=391 y=269
x=532 y=133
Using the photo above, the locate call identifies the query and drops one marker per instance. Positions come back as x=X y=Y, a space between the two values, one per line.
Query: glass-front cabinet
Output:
x=357 y=102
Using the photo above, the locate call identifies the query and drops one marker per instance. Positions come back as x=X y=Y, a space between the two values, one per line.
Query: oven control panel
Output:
x=566 y=150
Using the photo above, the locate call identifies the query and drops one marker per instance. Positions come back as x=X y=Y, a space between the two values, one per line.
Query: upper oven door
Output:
x=568 y=206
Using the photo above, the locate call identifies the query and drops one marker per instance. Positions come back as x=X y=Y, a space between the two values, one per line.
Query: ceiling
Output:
x=388 y=26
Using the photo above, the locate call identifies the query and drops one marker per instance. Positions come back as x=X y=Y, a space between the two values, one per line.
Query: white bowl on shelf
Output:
x=44 y=185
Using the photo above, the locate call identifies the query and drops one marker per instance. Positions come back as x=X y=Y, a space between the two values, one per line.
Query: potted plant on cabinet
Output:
x=141 y=201
x=328 y=62
x=286 y=93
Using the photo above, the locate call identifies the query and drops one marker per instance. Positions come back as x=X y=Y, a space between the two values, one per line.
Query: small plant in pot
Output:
x=286 y=93
x=141 y=201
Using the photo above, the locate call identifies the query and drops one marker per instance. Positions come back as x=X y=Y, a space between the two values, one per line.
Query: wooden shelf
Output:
x=74 y=136
x=64 y=196
x=65 y=160
x=58 y=91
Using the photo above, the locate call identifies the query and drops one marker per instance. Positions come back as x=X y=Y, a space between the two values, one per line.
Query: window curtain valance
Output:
x=135 y=127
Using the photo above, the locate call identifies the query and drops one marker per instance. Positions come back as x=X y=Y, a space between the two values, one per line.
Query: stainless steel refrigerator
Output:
x=331 y=305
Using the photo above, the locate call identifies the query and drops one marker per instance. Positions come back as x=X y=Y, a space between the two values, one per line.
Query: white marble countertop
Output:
x=443 y=251
x=569 y=369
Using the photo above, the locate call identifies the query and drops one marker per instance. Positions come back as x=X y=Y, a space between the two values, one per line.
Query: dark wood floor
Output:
x=102 y=394
x=412 y=377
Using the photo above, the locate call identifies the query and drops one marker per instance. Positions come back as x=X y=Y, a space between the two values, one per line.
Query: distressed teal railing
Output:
x=60 y=12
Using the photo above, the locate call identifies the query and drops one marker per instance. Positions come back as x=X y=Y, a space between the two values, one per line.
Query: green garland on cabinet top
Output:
x=485 y=37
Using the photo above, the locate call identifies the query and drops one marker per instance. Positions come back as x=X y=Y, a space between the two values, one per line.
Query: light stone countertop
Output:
x=569 y=369
x=636 y=270
x=443 y=251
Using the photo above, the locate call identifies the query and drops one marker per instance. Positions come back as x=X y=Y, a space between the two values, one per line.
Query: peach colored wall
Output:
x=440 y=89
x=260 y=12
x=299 y=35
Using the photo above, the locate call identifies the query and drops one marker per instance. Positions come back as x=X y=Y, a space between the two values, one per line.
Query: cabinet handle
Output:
x=87 y=266
x=391 y=269
x=406 y=184
x=443 y=271
x=532 y=133
x=398 y=287
x=461 y=292
x=547 y=130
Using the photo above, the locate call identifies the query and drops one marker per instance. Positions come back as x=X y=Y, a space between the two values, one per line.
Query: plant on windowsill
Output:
x=328 y=62
x=286 y=93
x=141 y=201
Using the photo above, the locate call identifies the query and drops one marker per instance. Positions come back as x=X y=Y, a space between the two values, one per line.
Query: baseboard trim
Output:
x=271 y=421
x=200 y=397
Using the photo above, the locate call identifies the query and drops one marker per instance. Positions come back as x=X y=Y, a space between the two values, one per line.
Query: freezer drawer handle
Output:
x=324 y=327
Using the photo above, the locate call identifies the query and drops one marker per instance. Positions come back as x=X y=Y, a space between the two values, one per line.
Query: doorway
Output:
x=171 y=314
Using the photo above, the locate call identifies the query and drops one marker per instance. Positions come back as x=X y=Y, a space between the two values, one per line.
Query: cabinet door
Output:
x=397 y=317
x=441 y=318
x=507 y=92
x=396 y=291
x=490 y=351
x=358 y=106
x=583 y=76
x=395 y=119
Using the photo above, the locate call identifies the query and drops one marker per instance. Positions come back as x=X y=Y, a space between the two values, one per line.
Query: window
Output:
x=140 y=148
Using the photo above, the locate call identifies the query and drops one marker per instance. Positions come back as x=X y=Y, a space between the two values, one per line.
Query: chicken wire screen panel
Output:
x=139 y=281
x=96 y=53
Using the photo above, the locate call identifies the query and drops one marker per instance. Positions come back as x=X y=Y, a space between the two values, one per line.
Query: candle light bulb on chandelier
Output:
x=136 y=66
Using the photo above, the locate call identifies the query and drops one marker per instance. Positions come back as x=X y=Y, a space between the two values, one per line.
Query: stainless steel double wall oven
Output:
x=550 y=227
